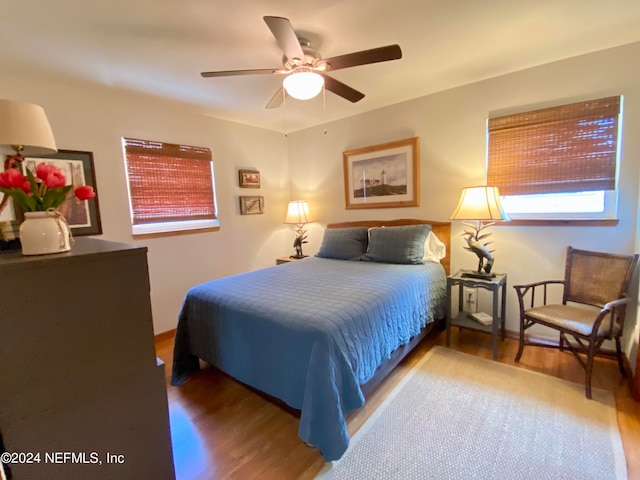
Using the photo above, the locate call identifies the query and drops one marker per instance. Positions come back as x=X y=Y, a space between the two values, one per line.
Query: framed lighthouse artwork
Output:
x=382 y=176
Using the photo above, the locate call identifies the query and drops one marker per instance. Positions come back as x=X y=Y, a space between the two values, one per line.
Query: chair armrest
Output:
x=523 y=290
x=615 y=311
x=616 y=304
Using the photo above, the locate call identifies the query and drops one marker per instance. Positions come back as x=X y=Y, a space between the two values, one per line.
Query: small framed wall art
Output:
x=249 y=178
x=251 y=205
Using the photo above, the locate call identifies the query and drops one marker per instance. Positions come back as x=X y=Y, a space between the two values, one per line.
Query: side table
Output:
x=281 y=260
x=462 y=319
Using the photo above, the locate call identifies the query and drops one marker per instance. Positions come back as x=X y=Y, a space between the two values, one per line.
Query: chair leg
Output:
x=589 y=367
x=521 y=346
x=561 y=343
x=620 y=361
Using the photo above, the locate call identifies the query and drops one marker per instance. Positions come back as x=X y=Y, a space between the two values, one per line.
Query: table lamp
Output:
x=483 y=205
x=298 y=214
x=24 y=129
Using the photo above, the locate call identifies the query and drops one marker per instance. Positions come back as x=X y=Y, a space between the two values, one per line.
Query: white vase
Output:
x=42 y=233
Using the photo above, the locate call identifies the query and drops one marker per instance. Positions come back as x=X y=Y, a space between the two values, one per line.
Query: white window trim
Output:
x=170 y=226
x=610 y=211
x=166 y=227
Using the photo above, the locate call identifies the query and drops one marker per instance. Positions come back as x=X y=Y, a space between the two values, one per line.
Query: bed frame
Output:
x=442 y=230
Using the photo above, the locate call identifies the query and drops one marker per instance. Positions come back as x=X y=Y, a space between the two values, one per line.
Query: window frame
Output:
x=173 y=155
x=580 y=113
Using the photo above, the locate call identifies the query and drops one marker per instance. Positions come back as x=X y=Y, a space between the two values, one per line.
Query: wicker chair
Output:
x=591 y=279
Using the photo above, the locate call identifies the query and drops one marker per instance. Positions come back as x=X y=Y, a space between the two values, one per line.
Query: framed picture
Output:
x=251 y=205
x=249 y=178
x=9 y=228
x=381 y=176
x=83 y=216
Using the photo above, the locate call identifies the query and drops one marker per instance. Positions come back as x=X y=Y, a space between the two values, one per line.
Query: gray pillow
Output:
x=403 y=244
x=344 y=243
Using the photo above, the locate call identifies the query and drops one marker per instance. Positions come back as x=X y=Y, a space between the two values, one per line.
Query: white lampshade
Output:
x=303 y=85
x=479 y=203
x=298 y=213
x=24 y=128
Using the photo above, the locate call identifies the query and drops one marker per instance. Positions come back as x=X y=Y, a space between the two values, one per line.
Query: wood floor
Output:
x=222 y=430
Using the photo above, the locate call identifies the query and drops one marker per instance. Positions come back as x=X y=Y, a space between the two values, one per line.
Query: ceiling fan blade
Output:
x=341 y=89
x=230 y=73
x=285 y=36
x=277 y=99
x=374 y=55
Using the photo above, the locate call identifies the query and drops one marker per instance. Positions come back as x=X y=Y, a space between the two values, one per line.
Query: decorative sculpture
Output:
x=472 y=237
x=301 y=237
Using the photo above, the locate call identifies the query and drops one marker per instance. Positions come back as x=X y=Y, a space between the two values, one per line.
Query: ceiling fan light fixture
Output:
x=306 y=70
x=303 y=85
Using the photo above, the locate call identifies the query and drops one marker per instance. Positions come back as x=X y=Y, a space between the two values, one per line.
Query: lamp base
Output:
x=298 y=256
x=481 y=275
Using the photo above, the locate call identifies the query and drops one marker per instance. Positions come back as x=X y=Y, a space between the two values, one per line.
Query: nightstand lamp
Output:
x=298 y=214
x=24 y=130
x=481 y=204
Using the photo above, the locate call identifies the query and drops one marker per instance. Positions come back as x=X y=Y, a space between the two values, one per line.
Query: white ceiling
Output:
x=161 y=46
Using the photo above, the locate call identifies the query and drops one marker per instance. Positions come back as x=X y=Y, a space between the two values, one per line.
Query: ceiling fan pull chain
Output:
x=324 y=106
x=324 y=101
x=284 y=111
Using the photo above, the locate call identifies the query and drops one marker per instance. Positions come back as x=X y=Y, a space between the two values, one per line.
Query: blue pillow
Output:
x=344 y=243
x=403 y=244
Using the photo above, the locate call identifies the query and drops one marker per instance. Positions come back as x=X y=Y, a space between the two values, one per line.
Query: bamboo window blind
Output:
x=569 y=148
x=169 y=182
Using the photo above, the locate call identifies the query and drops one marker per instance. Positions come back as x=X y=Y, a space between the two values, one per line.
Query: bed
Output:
x=318 y=334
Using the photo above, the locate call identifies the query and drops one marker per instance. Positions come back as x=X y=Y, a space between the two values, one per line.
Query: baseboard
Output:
x=165 y=335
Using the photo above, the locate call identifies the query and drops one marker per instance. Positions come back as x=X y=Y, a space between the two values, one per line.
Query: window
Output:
x=171 y=187
x=559 y=162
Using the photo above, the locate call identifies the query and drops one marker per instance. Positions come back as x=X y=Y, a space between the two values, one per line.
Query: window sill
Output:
x=174 y=233
x=173 y=227
x=559 y=223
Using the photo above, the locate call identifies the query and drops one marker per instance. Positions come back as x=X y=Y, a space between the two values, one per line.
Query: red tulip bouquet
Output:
x=46 y=190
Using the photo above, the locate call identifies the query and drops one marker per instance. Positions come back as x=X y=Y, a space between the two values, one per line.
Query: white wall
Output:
x=94 y=119
x=451 y=126
x=308 y=165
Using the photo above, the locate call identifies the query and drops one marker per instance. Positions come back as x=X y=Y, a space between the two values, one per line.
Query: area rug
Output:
x=456 y=416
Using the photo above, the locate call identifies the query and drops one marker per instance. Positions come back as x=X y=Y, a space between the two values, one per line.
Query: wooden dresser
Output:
x=78 y=370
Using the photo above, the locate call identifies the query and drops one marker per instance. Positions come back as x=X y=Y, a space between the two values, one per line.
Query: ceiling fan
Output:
x=305 y=69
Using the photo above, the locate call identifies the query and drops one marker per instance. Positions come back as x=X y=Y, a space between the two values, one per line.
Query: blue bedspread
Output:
x=308 y=332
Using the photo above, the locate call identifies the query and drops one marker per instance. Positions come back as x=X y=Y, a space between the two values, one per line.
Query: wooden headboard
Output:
x=442 y=230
